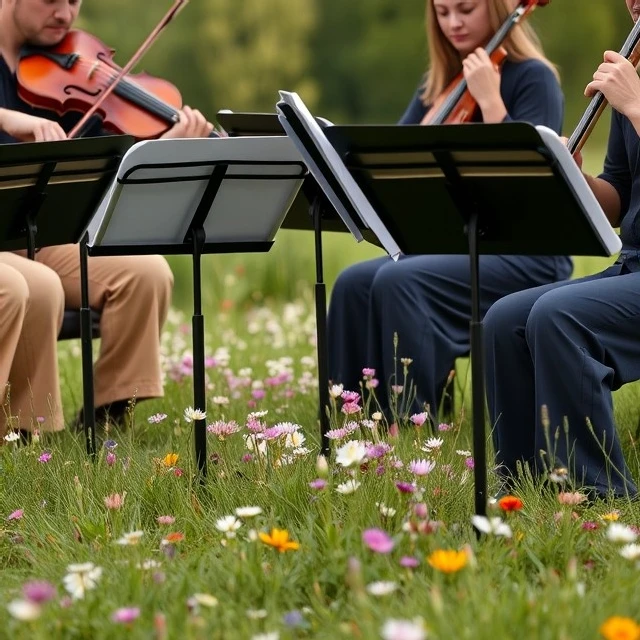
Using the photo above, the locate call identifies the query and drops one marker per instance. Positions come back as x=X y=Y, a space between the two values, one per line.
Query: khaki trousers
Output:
x=133 y=294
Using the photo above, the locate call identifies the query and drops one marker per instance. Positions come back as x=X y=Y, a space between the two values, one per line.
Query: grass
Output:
x=557 y=575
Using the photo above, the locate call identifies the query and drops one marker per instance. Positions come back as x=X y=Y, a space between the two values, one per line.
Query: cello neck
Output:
x=631 y=52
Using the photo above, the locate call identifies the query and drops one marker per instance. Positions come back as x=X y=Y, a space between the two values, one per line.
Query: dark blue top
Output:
x=9 y=99
x=529 y=90
x=622 y=170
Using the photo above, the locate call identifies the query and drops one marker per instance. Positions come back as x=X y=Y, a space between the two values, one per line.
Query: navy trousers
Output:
x=567 y=346
x=426 y=300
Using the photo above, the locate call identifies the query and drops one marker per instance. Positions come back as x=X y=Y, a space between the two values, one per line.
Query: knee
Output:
x=505 y=319
x=548 y=315
x=14 y=294
x=354 y=281
x=46 y=295
x=151 y=277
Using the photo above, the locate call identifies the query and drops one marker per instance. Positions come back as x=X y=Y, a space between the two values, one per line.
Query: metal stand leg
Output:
x=199 y=396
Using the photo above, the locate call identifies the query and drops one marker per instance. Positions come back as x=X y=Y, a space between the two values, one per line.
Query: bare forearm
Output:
x=608 y=198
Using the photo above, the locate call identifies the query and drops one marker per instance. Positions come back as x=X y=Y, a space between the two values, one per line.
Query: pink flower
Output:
x=469 y=463
x=177 y=472
x=378 y=540
x=318 y=484
x=422 y=467
x=350 y=396
x=157 y=418
x=44 y=457
x=350 y=407
x=165 y=519
x=405 y=487
x=590 y=526
x=114 y=501
x=419 y=418
x=110 y=458
x=368 y=373
x=39 y=591
x=443 y=426
x=126 y=615
x=571 y=498
x=410 y=562
x=16 y=515
x=421 y=510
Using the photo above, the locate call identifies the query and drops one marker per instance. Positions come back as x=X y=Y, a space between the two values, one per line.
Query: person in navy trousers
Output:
x=426 y=300
x=555 y=353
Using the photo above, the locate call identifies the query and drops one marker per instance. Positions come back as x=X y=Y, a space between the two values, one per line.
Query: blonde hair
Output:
x=445 y=64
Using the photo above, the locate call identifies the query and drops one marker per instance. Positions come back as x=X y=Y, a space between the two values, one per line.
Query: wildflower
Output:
x=165 y=519
x=223 y=429
x=351 y=397
x=368 y=373
x=16 y=515
x=422 y=467
x=419 y=418
x=115 y=501
x=448 y=560
x=110 y=444
x=294 y=440
x=81 y=578
x=405 y=487
x=409 y=562
x=378 y=540
x=157 y=418
x=170 y=460
x=192 y=415
x=273 y=635
x=12 y=436
x=630 y=551
x=444 y=426
x=248 y=512
x=126 y=615
x=221 y=400
x=228 y=525
x=336 y=390
x=432 y=444
x=559 y=475
x=110 y=458
x=147 y=565
x=351 y=453
x=256 y=614
x=44 y=457
x=318 y=484
x=385 y=511
x=381 y=588
x=510 y=503
x=293 y=619
x=350 y=486
x=39 y=591
x=590 y=526
x=173 y=537
x=204 y=600
x=130 y=539
x=403 y=630
x=463 y=452
x=493 y=526
x=611 y=517
x=24 y=610
x=571 y=497
x=376 y=416
x=469 y=463
x=350 y=407
x=279 y=539
x=322 y=466
x=620 y=628
x=621 y=533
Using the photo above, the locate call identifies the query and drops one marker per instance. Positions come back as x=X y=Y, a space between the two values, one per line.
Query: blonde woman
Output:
x=426 y=300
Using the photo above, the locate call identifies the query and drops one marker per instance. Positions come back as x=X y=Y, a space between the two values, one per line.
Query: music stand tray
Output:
x=465 y=189
x=197 y=196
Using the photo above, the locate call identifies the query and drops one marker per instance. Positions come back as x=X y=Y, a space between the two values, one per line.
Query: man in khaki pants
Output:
x=133 y=293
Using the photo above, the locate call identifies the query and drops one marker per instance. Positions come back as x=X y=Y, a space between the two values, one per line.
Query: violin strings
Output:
x=130 y=89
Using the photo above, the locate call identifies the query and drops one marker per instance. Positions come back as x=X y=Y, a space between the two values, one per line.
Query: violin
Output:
x=73 y=74
x=79 y=74
x=456 y=105
x=631 y=51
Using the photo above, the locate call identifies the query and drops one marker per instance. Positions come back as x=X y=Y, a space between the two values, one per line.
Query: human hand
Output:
x=28 y=128
x=618 y=80
x=192 y=124
x=483 y=78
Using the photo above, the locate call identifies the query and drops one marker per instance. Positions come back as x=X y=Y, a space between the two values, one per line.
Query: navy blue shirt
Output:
x=622 y=171
x=9 y=99
x=530 y=92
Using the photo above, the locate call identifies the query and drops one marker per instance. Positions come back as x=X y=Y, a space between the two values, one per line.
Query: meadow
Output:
x=375 y=542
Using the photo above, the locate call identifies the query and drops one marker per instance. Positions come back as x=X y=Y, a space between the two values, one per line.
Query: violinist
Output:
x=567 y=346
x=132 y=293
x=426 y=300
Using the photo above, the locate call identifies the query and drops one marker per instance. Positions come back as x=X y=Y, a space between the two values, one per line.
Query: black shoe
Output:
x=111 y=414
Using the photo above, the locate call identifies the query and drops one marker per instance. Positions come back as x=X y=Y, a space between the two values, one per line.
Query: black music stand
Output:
x=193 y=197
x=310 y=211
x=485 y=189
x=48 y=193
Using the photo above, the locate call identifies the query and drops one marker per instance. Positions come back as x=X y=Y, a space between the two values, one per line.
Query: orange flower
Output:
x=279 y=539
x=448 y=560
x=620 y=628
x=174 y=537
x=510 y=503
x=170 y=460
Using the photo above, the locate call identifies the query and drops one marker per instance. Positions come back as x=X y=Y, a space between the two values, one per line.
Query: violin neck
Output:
x=137 y=95
x=598 y=102
x=498 y=38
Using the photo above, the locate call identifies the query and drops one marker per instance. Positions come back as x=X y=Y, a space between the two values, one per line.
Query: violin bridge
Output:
x=93 y=69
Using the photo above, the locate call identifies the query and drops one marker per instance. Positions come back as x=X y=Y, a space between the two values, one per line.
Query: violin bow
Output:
x=631 y=51
x=135 y=58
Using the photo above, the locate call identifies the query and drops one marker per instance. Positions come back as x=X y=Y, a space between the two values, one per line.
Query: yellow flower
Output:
x=279 y=539
x=620 y=628
x=611 y=517
x=170 y=460
x=448 y=560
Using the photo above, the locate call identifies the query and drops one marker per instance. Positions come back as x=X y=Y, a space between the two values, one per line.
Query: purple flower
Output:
x=405 y=487
x=318 y=484
x=16 y=515
x=350 y=396
x=39 y=591
x=44 y=457
x=110 y=458
x=368 y=372
x=410 y=562
x=293 y=618
x=469 y=463
x=110 y=444
x=378 y=540
x=126 y=615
